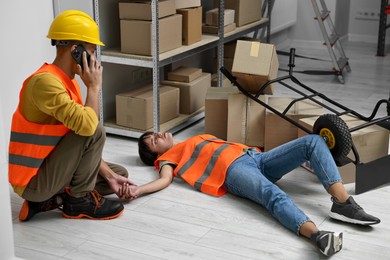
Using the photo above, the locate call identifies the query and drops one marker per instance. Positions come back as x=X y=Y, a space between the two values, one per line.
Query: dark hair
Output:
x=66 y=42
x=147 y=156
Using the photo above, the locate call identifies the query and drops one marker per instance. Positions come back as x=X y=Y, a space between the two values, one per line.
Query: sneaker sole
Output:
x=351 y=220
x=335 y=244
x=23 y=214
x=93 y=218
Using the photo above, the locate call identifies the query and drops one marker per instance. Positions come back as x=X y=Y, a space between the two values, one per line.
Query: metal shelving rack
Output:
x=157 y=61
x=383 y=26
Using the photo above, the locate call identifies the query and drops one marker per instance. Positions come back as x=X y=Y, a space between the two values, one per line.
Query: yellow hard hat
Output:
x=74 y=25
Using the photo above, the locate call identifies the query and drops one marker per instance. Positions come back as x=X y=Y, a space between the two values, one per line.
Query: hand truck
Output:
x=331 y=127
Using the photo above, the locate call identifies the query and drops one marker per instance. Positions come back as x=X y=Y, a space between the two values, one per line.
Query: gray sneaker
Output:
x=329 y=243
x=351 y=212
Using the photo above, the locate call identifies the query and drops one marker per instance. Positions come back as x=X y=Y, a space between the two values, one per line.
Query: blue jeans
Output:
x=253 y=176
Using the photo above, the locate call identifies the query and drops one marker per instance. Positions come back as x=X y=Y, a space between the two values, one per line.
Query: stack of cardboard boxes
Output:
x=211 y=24
x=240 y=119
x=134 y=109
x=180 y=23
x=245 y=11
x=232 y=116
x=193 y=84
x=136 y=26
x=191 y=10
x=184 y=92
x=237 y=13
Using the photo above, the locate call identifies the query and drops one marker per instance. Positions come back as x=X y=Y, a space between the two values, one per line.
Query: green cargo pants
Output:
x=74 y=163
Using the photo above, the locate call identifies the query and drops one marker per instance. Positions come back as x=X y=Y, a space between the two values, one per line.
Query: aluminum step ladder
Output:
x=331 y=38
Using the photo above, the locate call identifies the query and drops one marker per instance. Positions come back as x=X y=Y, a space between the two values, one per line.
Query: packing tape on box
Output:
x=255 y=48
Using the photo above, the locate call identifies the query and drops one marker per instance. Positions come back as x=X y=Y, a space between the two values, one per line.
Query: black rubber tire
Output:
x=336 y=135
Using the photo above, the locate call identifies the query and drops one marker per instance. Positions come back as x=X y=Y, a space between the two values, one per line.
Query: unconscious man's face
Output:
x=159 y=143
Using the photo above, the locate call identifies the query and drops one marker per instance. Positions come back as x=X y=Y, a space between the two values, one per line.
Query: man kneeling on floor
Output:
x=214 y=166
x=55 y=151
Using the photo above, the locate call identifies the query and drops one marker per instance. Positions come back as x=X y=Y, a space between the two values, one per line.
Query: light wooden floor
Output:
x=180 y=223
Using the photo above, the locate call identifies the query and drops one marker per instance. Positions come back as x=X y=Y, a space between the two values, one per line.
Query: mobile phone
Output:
x=77 y=54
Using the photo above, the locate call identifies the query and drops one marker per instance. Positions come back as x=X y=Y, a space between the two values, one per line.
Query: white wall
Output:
x=342 y=17
x=284 y=15
x=24 y=47
x=6 y=236
x=306 y=30
x=343 y=14
x=24 y=26
x=364 y=30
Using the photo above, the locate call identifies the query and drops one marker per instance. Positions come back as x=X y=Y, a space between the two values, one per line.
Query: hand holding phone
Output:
x=77 y=54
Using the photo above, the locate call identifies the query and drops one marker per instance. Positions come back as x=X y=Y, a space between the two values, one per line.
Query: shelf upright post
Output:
x=156 y=71
x=221 y=40
x=98 y=55
x=270 y=5
x=382 y=29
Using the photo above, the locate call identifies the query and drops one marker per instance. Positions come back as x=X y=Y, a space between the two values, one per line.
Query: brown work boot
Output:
x=92 y=206
x=30 y=208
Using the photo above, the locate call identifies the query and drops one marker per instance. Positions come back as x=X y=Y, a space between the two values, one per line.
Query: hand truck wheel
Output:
x=336 y=135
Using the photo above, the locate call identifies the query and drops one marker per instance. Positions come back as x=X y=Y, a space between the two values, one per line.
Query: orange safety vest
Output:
x=31 y=143
x=202 y=161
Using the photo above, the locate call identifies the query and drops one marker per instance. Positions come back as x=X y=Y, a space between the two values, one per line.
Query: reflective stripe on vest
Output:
x=202 y=161
x=31 y=143
x=210 y=166
x=33 y=139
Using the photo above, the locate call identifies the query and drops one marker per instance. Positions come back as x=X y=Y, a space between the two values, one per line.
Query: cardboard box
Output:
x=254 y=64
x=211 y=29
x=212 y=17
x=180 y=4
x=192 y=94
x=216 y=110
x=184 y=74
x=134 y=109
x=278 y=130
x=229 y=48
x=246 y=120
x=170 y=30
x=142 y=9
x=371 y=142
x=246 y=11
x=192 y=25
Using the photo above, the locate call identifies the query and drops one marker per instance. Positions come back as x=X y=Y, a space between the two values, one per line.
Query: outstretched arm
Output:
x=166 y=177
x=119 y=184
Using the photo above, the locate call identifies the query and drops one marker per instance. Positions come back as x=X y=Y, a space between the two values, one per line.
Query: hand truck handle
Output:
x=291 y=62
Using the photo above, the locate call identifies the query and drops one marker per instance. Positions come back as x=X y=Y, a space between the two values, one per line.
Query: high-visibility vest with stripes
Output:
x=202 y=161
x=31 y=143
